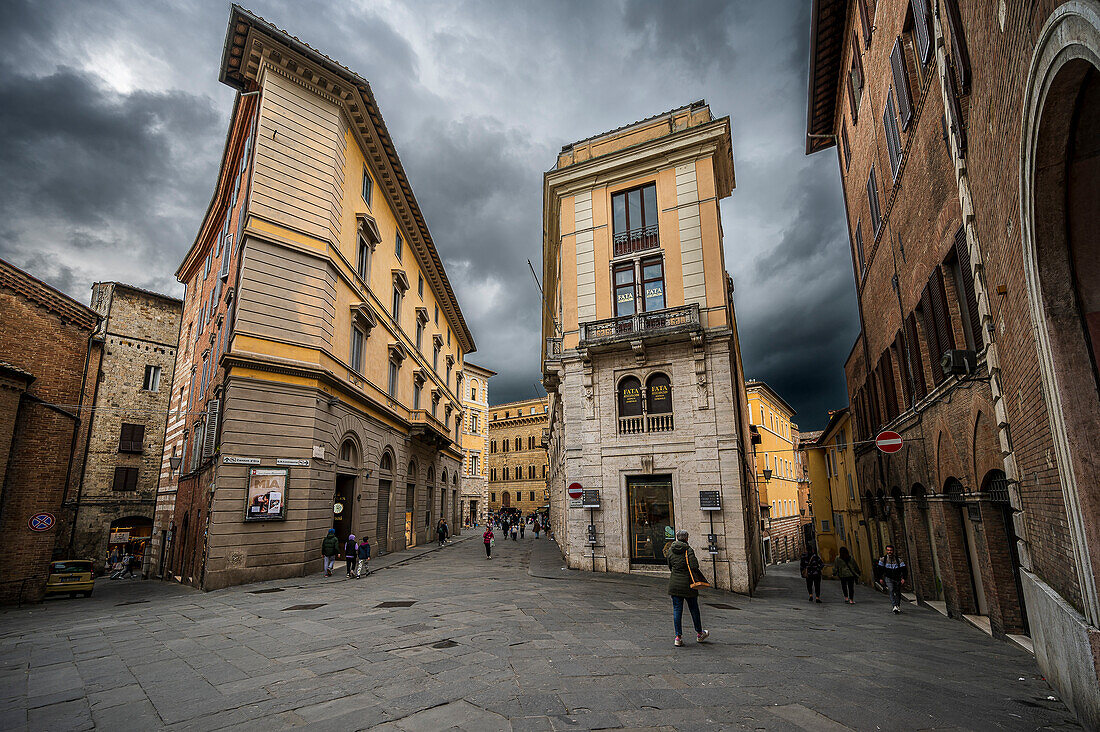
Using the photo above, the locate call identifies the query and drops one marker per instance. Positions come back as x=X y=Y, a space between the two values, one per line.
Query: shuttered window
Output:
x=889 y=388
x=872 y=200
x=954 y=111
x=865 y=21
x=904 y=375
x=893 y=140
x=859 y=248
x=969 y=300
x=125 y=479
x=916 y=363
x=855 y=80
x=844 y=146
x=921 y=30
x=901 y=84
x=131 y=437
x=960 y=54
x=930 y=337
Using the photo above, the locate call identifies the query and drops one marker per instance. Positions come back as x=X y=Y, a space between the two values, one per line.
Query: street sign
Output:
x=888 y=441
x=590 y=499
x=293 y=462
x=238 y=460
x=575 y=491
x=576 y=503
x=41 y=521
x=710 y=501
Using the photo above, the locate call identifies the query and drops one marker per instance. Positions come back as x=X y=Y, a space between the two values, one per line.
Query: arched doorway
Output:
x=343 y=496
x=1060 y=224
x=971 y=597
x=1004 y=557
x=410 y=505
x=505 y=499
x=385 y=489
x=129 y=535
x=930 y=582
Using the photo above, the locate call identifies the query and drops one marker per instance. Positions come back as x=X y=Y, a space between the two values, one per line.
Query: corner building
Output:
x=968 y=134
x=782 y=507
x=319 y=372
x=475 y=444
x=641 y=358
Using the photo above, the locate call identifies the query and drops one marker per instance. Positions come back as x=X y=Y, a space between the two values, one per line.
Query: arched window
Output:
x=658 y=403
x=349 y=452
x=630 y=397
x=385 y=465
x=412 y=471
x=431 y=474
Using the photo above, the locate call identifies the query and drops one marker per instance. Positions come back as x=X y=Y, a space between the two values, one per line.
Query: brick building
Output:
x=320 y=364
x=118 y=479
x=517 y=456
x=967 y=134
x=48 y=349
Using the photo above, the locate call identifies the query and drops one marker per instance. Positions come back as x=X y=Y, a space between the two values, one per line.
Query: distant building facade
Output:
x=517 y=456
x=782 y=507
x=966 y=136
x=49 y=355
x=475 y=444
x=641 y=357
x=320 y=370
x=118 y=480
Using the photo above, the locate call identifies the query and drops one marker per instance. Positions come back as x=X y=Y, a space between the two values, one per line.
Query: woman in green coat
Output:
x=684 y=567
x=847 y=571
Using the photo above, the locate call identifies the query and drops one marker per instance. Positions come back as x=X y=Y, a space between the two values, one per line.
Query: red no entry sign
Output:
x=575 y=490
x=888 y=441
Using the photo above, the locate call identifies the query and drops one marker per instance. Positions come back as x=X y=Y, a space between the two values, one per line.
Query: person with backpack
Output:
x=892 y=573
x=441 y=532
x=364 y=557
x=329 y=546
x=683 y=586
x=488 y=538
x=811 y=565
x=351 y=554
x=847 y=571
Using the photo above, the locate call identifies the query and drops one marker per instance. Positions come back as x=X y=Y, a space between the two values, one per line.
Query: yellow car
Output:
x=72 y=576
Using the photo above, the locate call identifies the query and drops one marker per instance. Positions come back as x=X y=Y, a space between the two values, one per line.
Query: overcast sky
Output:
x=113 y=121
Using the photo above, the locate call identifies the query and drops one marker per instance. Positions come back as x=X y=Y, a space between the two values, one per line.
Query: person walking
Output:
x=515 y=532
x=536 y=528
x=847 y=571
x=892 y=573
x=522 y=525
x=364 y=557
x=441 y=532
x=683 y=587
x=487 y=537
x=351 y=554
x=329 y=546
x=811 y=565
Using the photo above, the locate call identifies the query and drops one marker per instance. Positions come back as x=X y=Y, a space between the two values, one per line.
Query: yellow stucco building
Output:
x=475 y=444
x=837 y=459
x=777 y=475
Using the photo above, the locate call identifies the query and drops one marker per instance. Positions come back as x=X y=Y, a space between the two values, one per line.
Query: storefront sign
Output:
x=266 y=494
x=293 y=462
x=235 y=460
x=119 y=537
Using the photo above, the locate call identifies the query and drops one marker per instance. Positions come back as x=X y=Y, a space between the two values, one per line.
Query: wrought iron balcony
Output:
x=684 y=318
x=636 y=240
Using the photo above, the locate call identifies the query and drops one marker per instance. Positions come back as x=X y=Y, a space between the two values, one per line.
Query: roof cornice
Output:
x=828 y=20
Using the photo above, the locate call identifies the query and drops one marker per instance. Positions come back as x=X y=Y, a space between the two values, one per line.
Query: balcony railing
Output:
x=684 y=317
x=641 y=423
x=637 y=240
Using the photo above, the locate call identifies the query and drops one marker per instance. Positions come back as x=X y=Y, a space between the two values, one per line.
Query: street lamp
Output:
x=767 y=474
x=174 y=463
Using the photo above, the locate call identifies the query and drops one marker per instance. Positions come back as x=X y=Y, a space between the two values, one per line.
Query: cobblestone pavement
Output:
x=446 y=639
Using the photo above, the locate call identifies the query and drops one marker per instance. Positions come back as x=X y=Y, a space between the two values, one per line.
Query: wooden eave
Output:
x=828 y=19
x=242 y=54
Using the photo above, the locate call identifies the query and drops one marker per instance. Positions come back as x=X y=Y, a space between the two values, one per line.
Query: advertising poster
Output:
x=266 y=494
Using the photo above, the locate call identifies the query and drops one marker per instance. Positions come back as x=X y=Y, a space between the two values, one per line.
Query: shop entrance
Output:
x=342 y=505
x=129 y=535
x=651 y=521
x=410 y=507
x=382 y=520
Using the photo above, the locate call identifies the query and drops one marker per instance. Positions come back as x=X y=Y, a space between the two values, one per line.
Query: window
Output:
x=901 y=83
x=419 y=333
x=504 y=445
x=937 y=323
x=855 y=81
x=356 y=356
x=362 y=265
x=131 y=437
x=964 y=292
x=448 y=372
x=872 y=200
x=845 y=148
x=435 y=357
x=653 y=284
x=531 y=474
x=368 y=187
x=867 y=21
x=519 y=444
x=859 y=249
x=397 y=244
x=417 y=389
x=893 y=140
x=473 y=393
x=392 y=385
x=492 y=446
x=152 y=378
x=395 y=305
x=473 y=423
x=493 y=496
x=624 y=290
x=437 y=315
x=658 y=395
x=420 y=286
x=543 y=471
x=851 y=490
x=921 y=30
x=531 y=443
x=505 y=473
x=634 y=219
x=125 y=479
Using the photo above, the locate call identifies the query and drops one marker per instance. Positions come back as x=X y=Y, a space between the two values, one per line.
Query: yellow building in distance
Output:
x=517 y=455
x=475 y=444
x=835 y=456
x=782 y=512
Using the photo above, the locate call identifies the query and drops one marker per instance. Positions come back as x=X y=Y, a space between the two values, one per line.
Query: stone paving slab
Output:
x=512 y=643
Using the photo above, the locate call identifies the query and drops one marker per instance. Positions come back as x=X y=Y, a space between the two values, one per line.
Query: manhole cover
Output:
x=396 y=603
x=267 y=591
x=448 y=643
x=723 y=606
x=312 y=606
x=130 y=602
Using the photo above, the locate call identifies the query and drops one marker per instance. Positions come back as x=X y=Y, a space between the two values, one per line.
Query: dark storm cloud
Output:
x=114 y=122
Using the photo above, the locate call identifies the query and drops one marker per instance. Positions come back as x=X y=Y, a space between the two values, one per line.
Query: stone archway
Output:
x=1060 y=233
